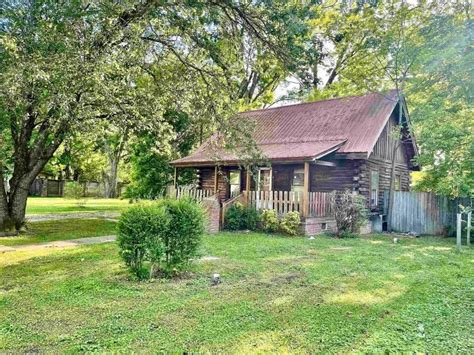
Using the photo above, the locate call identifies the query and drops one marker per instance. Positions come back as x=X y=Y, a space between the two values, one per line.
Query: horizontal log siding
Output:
x=384 y=169
x=339 y=177
x=283 y=175
x=206 y=180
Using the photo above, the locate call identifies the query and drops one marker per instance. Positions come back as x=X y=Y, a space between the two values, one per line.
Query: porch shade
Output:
x=291 y=151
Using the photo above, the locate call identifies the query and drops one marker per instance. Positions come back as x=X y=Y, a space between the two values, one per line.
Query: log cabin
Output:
x=311 y=149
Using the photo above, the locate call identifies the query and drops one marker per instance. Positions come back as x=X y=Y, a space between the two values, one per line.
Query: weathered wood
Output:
x=468 y=236
x=216 y=178
x=305 y=189
x=424 y=212
x=325 y=163
x=247 y=184
x=458 y=232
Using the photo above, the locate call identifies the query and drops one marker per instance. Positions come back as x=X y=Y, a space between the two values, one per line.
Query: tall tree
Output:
x=54 y=56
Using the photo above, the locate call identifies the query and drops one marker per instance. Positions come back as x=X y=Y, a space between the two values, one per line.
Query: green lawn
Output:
x=42 y=205
x=278 y=295
x=65 y=229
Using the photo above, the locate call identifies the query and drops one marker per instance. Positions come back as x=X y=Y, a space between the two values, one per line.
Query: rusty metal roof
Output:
x=307 y=130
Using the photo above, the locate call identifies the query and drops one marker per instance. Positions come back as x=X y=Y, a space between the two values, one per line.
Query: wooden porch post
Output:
x=216 y=179
x=175 y=176
x=247 y=185
x=306 y=189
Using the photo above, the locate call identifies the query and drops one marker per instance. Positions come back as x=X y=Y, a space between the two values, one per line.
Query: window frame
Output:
x=374 y=204
x=239 y=185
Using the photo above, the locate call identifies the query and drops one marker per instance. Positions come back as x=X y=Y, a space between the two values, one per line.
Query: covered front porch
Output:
x=297 y=186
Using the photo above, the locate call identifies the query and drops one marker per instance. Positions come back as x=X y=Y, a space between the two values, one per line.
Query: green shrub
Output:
x=290 y=223
x=233 y=217
x=269 y=220
x=141 y=230
x=75 y=190
x=186 y=227
x=162 y=236
x=250 y=218
x=239 y=217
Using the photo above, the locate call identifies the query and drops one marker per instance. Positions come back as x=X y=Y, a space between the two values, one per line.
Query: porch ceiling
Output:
x=289 y=151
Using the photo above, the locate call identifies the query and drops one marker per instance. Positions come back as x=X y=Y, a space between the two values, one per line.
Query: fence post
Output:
x=458 y=232
x=469 y=215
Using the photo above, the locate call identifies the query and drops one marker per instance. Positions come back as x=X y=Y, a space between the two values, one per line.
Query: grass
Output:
x=278 y=295
x=65 y=229
x=42 y=205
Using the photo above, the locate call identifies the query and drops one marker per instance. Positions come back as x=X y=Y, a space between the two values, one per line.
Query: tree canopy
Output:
x=111 y=73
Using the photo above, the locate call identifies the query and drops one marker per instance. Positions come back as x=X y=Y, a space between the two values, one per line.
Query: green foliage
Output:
x=425 y=51
x=73 y=190
x=149 y=161
x=185 y=230
x=350 y=212
x=250 y=218
x=164 y=235
x=290 y=223
x=141 y=230
x=269 y=221
x=233 y=217
x=239 y=217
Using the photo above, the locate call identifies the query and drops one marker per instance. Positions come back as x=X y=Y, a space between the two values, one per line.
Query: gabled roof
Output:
x=310 y=130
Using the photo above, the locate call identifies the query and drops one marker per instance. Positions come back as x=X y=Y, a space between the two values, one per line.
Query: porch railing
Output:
x=286 y=201
x=188 y=192
x=280 y=201
x=319 y=204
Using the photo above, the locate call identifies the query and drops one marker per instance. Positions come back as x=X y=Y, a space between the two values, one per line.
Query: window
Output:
x=398 y=182
x=374 y=188
x=297 y=183
x=324 y=226
x=234 y=179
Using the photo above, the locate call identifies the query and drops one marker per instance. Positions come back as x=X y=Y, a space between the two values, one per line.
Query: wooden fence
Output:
x=425 y=212
x=319 y=204
x=188 y=192
x=47 y=187
x=286 y=201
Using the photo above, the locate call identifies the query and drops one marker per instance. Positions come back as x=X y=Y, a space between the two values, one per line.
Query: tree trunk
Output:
x=13 y=204
x=110 y=179
x=5 y=221
x=114 y=155
x=392 y=170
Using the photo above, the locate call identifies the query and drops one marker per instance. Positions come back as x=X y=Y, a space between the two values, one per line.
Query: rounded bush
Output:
x=269 y=220
x=233 y=217
x=290 y=223
x=239 y=217
x=187 y=223
x=141 y=230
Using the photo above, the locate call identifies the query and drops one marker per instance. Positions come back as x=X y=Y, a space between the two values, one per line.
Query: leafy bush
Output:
x=290 y=223
x=162 y=236
x=250 y=218
x=72 y=189
x=269 y=220
x=233 y=217
x=183 y=237
x=75 y=190
x=349 y=211
x=140 y=237
x=239 y=217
